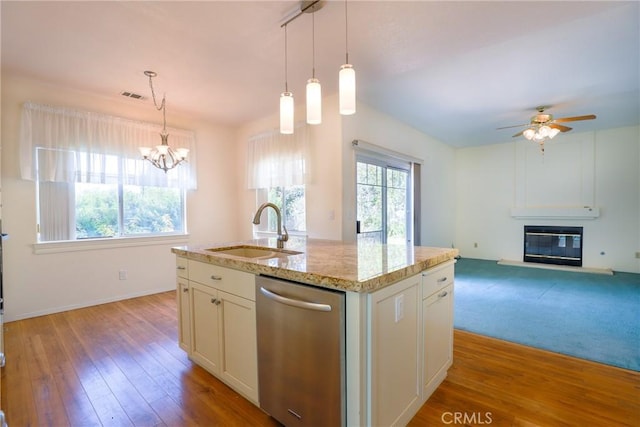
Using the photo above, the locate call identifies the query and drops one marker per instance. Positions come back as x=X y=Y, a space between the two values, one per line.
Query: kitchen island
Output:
x=399 y=315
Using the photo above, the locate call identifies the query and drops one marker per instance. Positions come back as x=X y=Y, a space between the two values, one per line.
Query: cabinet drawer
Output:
x=437 y=278
x=225 y=279
x=182 y=269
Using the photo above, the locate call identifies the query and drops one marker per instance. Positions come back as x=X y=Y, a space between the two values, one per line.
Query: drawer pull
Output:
x=214 y=277
x=442 y=279
x=443 y=294
x=180 y=267
x=185 y=289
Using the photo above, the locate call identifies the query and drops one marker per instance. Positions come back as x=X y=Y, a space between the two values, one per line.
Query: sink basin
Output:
x=253 y=252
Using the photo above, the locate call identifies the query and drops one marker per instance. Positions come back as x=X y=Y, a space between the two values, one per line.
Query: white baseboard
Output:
x=607 y=271
x=88 y=304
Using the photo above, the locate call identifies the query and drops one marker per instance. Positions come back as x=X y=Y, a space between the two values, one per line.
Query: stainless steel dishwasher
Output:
x=301 y=353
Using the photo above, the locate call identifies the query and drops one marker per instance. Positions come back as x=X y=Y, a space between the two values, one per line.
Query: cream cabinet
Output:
x=437 y=326
x=395 y=350
x=222 y=324
x=184 y=326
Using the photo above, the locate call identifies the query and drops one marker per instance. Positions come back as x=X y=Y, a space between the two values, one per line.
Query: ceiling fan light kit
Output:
x=543 y=126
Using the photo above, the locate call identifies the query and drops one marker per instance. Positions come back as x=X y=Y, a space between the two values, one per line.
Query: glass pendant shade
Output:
x=145 y=151
x=544 y=131
x=162 y=149
x=347 y=84
x=553 y=132
x=314 y=102
x=529 y=133
x=286 y=113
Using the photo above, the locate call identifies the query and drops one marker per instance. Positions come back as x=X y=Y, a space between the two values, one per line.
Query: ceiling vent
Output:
x=132 y=95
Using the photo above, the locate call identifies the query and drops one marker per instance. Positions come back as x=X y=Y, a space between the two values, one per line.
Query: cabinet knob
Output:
x=213 y=300
x=185 y=289
x=214 y=277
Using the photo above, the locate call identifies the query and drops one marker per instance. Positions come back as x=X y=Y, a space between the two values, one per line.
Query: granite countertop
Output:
x=348 y=266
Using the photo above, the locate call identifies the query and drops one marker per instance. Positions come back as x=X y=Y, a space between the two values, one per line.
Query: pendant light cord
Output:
x=313 y=45
x=286 y=78
x=346 y=33
x=162 y=106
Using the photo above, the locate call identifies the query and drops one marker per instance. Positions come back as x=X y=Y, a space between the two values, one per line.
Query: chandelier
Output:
x=162 y=156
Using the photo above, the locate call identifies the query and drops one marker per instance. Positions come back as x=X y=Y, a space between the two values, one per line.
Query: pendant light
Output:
x=347 y=77
x=314 y=90
x=286 y=98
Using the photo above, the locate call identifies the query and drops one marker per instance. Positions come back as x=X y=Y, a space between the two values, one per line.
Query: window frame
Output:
x=134 y=239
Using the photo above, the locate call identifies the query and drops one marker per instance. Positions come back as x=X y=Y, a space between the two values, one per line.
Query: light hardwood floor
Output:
x=119 y=364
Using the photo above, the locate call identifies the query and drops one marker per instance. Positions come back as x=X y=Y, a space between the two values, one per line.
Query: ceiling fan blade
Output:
x=518 y=134
x=576 y=118
x=514 y=126
x=560 y=127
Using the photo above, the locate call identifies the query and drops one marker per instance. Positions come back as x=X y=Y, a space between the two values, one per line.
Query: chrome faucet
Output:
x=281 y=237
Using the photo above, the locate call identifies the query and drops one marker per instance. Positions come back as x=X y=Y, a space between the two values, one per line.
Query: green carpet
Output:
x=590 y=316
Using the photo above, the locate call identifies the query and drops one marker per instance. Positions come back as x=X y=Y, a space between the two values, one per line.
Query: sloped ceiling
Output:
x=454 y=70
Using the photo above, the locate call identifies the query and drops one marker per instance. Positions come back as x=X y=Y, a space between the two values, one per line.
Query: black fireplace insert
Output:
x=553 y=245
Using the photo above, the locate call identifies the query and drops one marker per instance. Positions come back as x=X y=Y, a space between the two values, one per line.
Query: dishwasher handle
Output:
x=294 y=302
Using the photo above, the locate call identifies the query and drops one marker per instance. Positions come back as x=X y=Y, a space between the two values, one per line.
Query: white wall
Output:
x=46 y=283
x=600 y=169
x=438 y=172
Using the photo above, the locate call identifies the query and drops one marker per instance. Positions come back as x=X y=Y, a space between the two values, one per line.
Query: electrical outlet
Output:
x=637 y=254
x=399 y=307
x=475 y=245
x=122 y=274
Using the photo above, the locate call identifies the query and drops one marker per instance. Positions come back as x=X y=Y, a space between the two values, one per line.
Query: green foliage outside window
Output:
x=145 y=210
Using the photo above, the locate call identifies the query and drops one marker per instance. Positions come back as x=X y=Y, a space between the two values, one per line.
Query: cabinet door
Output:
x=205 y=327
x=239 y=364
x=184 y=324
x=395 y=366
x=437 y=315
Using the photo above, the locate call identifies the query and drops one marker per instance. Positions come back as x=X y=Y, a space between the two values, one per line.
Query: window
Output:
x=108 y=208
x=276 y=171
x=384 y=200
x=91 y=182
x=291 y=202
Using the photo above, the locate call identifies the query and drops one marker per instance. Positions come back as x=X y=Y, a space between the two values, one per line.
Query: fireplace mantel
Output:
x=583 y=212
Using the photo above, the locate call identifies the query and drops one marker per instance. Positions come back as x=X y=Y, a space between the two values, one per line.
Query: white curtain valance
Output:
x=277 y=160
x=58 y=144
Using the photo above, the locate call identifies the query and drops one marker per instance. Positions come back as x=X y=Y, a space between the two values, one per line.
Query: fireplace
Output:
x=553 y=245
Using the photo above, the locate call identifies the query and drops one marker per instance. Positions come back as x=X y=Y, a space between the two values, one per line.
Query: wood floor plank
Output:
x=119 y=364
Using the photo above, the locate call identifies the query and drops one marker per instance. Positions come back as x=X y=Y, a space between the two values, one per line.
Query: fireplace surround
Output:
x=558 y=245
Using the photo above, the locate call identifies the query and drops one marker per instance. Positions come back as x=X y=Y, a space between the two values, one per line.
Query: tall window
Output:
x=91 y=182
x=383 y=200
x=276 y=170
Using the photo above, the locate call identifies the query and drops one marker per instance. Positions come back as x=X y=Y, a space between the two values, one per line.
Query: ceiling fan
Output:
x=543 y=126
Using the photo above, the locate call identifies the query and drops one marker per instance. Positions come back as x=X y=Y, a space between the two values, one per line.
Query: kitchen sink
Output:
x=253 y=252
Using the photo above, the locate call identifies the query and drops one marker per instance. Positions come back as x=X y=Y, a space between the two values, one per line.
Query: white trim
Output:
x=365 y=146
x=90 y=303
x=586 y=212
x=107 y=243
